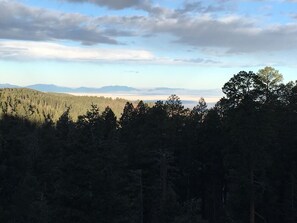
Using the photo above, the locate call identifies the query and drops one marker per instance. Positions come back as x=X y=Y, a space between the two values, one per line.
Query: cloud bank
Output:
x=23 y=50
x=20 y=22
x=194 y=24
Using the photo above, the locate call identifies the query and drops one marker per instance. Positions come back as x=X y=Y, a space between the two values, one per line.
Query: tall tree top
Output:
x=270 y=77
x=174 y=105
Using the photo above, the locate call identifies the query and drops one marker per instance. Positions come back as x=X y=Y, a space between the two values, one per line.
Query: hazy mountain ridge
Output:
x=117 y=89
x=59 y=89
x=8 y=86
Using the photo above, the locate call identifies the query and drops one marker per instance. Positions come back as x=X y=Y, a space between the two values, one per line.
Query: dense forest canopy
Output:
x=236 y=162
x=38 y=106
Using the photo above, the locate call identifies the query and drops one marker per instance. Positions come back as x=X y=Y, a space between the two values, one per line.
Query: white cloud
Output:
x=30 y=50
x=24 y=50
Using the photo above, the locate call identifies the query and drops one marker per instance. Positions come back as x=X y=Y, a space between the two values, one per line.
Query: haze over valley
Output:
x=189 y=97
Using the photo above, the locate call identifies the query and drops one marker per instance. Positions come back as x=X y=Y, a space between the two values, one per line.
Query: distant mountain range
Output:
x=117 y=89
x=61 y=89
x=8 y=86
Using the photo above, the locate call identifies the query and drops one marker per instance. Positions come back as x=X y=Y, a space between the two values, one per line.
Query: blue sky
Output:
x=144 y=43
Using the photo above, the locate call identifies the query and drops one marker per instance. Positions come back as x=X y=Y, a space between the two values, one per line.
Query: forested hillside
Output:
x=38 y=106
x=236 y=162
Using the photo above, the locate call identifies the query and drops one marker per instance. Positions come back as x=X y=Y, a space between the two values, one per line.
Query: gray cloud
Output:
x=234 y=34
x=147 y=5
x=192 y=7
x=205 y=7
x=198 y=61
x=230 y=34
x=112 y=4
x=25 y=23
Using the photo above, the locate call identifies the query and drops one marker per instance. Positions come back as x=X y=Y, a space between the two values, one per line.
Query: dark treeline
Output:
x=235 y=162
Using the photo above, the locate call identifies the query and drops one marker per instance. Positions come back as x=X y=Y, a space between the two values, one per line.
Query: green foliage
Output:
x=270 y=77
x=38 y=106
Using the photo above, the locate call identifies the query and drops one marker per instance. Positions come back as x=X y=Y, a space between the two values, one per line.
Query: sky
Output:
x=144 y=43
